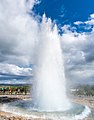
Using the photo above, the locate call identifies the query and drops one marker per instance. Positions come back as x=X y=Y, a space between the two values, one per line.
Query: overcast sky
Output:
x=21 y=28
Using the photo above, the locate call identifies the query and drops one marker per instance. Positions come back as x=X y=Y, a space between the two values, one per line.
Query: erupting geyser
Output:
x=49 y=86
x=49 y=99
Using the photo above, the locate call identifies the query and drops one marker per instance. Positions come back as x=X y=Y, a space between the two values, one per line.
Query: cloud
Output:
x=18 y=31
x=78 y=22
x=11 y=69
x=16 y=81
x=91 y=20
x=78 y=50
x=89 y=24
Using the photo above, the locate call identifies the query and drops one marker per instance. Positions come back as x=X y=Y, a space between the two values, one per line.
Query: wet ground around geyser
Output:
x=11 y=98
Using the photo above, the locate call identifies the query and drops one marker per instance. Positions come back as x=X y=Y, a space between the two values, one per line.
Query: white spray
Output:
x=49 y=91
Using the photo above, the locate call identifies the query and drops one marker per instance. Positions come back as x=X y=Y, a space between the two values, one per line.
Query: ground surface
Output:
x=89 y=101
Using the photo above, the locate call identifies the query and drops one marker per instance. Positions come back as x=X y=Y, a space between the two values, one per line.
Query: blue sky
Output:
x=65 y=11
x=20 y=25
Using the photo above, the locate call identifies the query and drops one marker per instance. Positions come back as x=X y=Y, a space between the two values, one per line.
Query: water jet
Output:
x=49 y=86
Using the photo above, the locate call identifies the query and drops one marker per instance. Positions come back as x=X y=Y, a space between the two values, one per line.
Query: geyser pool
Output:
x=25 y=108
x=49 y=85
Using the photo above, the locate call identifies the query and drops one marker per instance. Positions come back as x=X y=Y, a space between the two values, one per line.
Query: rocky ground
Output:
x=89 y=101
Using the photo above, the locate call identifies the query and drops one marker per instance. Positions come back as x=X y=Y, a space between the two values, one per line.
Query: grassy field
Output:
x=15 y=90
